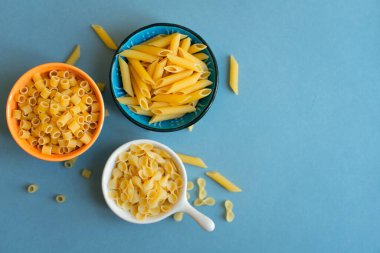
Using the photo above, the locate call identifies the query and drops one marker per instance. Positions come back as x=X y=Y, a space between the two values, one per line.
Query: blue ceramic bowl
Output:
x=140 y=36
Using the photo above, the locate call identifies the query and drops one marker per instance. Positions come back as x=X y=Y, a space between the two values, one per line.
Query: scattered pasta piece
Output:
x=209 y=201
x=229 y=213
x=234 y=75
x=60 y=198
x=70 y=163
x=190 y=128
x=86 y=173
x=57 y=112
x=106 y=113
x=198 y=202
x=190 y=185
x=103 y=35
x=145 y=181
x=32 y=188
x=202 y=193
x=74 y=56
x=163 y=70
x=178 y=217
x=201 y=188
x=188 y=195
x=100 y=86
x=196 y=161
x=220 y=179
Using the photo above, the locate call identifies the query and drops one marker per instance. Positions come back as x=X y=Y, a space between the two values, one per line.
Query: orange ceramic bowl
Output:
x=13 y=125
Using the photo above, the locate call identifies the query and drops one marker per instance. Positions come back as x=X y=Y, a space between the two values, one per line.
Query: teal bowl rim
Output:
x=204 y=111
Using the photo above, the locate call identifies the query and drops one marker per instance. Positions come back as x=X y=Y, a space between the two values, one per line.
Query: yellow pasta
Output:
x=164 y=76
x=178 y=216
x=103 y=35
x=74 y=57
x=133 y=54
x=60 y=198
x=230 y=216
x=234 y=75
x=100 y=86
x=196 y=161
x=125 y=77
x=70 y=163
x=220 y=179
x=190 y=128
x=32 y=188
x=190 y=186
x=152 y=188
x=201 y=56
x=86 y=173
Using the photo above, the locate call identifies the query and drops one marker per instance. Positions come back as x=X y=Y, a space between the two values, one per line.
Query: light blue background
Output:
x=302 y=138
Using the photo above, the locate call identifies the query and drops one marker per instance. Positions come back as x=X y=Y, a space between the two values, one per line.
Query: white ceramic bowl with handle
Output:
x=182 y=205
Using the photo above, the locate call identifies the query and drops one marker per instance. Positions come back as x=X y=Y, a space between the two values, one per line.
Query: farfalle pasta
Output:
x=145 y=181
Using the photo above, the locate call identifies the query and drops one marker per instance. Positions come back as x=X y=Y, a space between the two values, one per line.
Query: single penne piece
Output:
x=220 y=179
x=154 y=38
x=173 y=69
x=171 y=99
x=143 y=74
x=151 y=68
x=197 y=95
x=74 y=56
x=103 y=35
x=185 y=44
x=164 y=41
x=195 y=48
x=173 y=110
x=192 y=58
x=143 y=102
x=172 y=78
x=184 y=83
x=152 y=50
x=138 y=110
x=159 y=71
x=127 y=100
x=234 y=75
x=184 y=63
x=158 y=104
x=174 y=43
x=192 y=160
x=159 y=118
x=134 y=54
x=205 y=75
x=190 y=128
x=201 y=56
x=143 y=87
x=125 y=77
x=199 y=85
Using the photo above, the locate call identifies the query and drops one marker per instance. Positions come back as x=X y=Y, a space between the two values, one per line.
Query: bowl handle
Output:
x=205 y=222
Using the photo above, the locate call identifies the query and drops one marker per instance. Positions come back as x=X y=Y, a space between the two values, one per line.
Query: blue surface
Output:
x=302 y=138
x=174 y=124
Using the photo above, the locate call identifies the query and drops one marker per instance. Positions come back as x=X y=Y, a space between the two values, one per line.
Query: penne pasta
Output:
x=140 y=70
x=181 y=109
x=220 y=179
x=197 y=86
x=143 y=102
x=143 y=87
x=103 y=35
x=159 y=70
x=125 y=77
x=185 y=44
x=138 y=110
x=190 y=128
x=234 y=75
x=156 y=51
x=159 y=118
x=173 y=78
x=197 y=95
x=133 y=54
x=128 y=100
x=171 y=99
x=173 y=69
x=184 y=63
x=74 y=56
x=192 y=58
x=151 y=68
x=174 y=43
x=184 y=83
x=195 y=48
x=201 y=56
x=196 y=161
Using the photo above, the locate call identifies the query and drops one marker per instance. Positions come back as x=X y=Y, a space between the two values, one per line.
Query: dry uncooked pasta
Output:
x=57 y=112
x=145 y=181
x=32 y=188
x=70 y=163
x=60 y=198
x=229 y=214
x=86 y=173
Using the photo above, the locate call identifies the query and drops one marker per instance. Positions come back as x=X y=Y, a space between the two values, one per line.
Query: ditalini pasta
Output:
x=234 y=75
x=86 y=173
x=100 y=86
x=74 y=57
x=32 y=188
x=57 y=112
x=164 y=69
x=145 y=181
x=196 y=161
x=70 y=163
x=230 y=216
x=103 y=35
x=220 y=179
x=60 y=198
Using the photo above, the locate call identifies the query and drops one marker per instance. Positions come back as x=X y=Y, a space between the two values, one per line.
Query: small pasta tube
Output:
x=192 y=58
x=133 y=54
x=192 y=160
x=234 y=75
x=181 y=109
x=173 y=78
x=159 y=70
x=127 y=100
x=201 y=56
x=173 y=69
x=70 y=163
x=185 y=44
x=138 y=110
x=86 y=173
x=190 y=128
x=159 y=118
x=184 y=83
x=74 y=56
x=184 y=63
x=171 y=99
x=174 y=43
x=32 y=188
x=103 y=35
x=220 y=179
x=126 y=77
x=156 y=51
x=195 y=48
x=197 y=95
x=60 y=198
x=140 y=70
